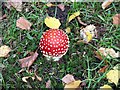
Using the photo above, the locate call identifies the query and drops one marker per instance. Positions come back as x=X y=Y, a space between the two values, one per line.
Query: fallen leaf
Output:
x=4 y=50
x=106 y=52
x=68 y=78
x=17 y=4
x=88 y=33
x=23 y=23
x=113 y=76
x=73 y=85
x=52 y=22
x=106 y=3
x=28 y=61
x=50 y=4
x=68 y=30
x=73 y=16
x=39 y=78
x=106 y=87
x=24 y=79
x=116 y=19
x=102 y=70
x=61 y=6
x=48 y=84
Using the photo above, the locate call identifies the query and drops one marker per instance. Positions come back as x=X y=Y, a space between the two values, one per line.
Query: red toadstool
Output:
x=54 y=44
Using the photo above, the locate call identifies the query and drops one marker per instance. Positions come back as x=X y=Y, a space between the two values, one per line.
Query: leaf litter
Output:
x=28 y=61
x=23 y=23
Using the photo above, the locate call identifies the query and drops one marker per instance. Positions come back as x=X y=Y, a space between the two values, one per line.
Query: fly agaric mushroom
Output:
x=54 y=44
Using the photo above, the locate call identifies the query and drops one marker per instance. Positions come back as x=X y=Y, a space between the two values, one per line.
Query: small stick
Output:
x=79 y=20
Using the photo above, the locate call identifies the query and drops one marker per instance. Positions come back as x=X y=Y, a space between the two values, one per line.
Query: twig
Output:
x=79 y=20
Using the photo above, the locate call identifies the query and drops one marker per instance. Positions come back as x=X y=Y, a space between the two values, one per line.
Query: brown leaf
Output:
x=116 y=19
x=98 y=55
x=39 y=78
x=68 y=78
x=61 y=6
x=48 y=84
x=17 y=4
x=28 y=61
x=23 y=23
x=102 y=70
x=106 y=3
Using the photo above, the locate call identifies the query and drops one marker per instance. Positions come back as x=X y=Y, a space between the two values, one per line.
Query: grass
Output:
x=80 y=59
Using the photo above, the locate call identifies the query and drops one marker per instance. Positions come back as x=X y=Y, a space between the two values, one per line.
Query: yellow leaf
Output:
x=88 y=33
x=106 y=87
x=50 y=4
x=52 y=22
x=72 y=85
x=89 y=36
x=4 y=50
x=73 y=16
x=68 y=30
x=113 y=76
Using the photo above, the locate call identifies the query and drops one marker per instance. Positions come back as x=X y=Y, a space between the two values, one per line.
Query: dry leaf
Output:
x=39 y=78
x=106 y=87
x=50 y=4
x=68 y=30
x=106 y=3
x=23 y=23
x=68 y=78
x=116 y=19
x=102 y=70
x=88 y=33
x=24 y=79
x=48 y=84
x=28 y=61
x=52 y=22
x=61 y=6
x=17 y=4
x=106 y=52
x=4 y=50
x=73 y=85
x=73 y=16
x=113 y=76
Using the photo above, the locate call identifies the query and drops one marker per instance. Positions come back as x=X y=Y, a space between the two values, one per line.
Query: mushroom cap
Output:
x=54 y=43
